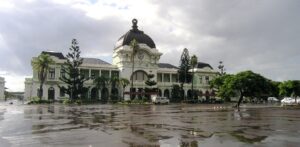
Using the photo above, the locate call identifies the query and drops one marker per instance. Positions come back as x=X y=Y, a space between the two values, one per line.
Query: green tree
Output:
x=244 y=84
x=150 y=83
x=175 y=93
x=274 y=91
x=194 y=62
x=221 y=68
x=71 y=74
x=135 y=46
x=222 y=85
x=124 y=82
x=289 y=88
x=249 y=84
x=101 y=82
x=42 y=64
x=184 y=75
x=115 y=83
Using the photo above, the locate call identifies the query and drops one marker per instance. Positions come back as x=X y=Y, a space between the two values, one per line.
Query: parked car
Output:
x=290 y=101
x=272 y=99
x=160 y=100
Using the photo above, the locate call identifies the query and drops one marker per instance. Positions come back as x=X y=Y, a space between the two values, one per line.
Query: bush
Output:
x=36 y=100
x=136 y=101
x=66 y=101
x=69 y=102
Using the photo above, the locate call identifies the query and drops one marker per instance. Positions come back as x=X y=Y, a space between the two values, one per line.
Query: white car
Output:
x=272 y=99
x=160 y=100
x=289 y=100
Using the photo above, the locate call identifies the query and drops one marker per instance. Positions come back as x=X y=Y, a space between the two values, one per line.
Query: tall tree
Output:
x=42 y=64
x=249 y=84
x=221 y=67
x=101 y=82
x=243 y=84
x=183 y=71
x=124 y=82
x=134 y=46
x=274 y=89
x=71 y=73
x=175 y=93
x=115 y=82
x=222 y=85
x=194 y=62
x=150 y=83
x=290 y=88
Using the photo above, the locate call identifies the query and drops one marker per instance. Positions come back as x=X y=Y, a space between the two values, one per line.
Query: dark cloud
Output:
x=41 y=25
x=262 y=36
x=259 y=35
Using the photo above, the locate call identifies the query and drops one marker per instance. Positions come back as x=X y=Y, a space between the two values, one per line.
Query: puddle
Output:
x=147 y=125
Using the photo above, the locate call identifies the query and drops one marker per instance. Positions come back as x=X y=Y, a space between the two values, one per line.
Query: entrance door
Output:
x=51 y=93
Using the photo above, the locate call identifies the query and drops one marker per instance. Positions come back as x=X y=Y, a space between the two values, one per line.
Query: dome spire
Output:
x=134 y=24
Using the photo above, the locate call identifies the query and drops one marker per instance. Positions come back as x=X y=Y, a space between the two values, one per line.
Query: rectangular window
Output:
x=166 y=77
x=200 y=79
x=115 y=74
x=85 y=73
x=174 y=78
x=52 y=73
x=105 y=73
x=94 y=73
x=207 y=79
x=159 y=77
x=62 y=73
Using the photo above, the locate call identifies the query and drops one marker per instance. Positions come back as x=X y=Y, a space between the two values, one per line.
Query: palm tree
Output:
x=134 y=45
x=42 y=64
x=101 y=82
x=124 y=82
x=115 y=82
x=194 y=62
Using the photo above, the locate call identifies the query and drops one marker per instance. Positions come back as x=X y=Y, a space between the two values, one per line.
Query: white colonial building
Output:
x=146 y=62
x=2 y=88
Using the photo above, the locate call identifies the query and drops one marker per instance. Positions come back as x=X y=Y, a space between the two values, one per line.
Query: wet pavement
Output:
x=171 y=125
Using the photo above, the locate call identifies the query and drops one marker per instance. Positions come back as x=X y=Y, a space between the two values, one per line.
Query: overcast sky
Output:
x=258 y=35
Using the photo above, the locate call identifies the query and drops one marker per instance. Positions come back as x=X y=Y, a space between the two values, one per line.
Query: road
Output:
x=148 y=125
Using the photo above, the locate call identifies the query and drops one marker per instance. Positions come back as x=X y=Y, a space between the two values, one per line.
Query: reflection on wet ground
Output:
x=148 y=125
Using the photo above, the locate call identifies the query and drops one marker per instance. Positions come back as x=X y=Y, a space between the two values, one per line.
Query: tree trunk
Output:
x=239 y=102
x=41 y=90
x=123 y=93
x=193 y=85
x=131 y=89
x=182 y=92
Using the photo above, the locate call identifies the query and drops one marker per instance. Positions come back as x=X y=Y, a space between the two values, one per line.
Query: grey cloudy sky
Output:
x=258 y=35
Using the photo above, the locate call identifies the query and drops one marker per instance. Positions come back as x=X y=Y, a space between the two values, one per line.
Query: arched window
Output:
x=207 y=95
x=94 y=93
x=189 y=94
x=139 y=76
x=159 y=92
x=104 y=95
x=167 y=93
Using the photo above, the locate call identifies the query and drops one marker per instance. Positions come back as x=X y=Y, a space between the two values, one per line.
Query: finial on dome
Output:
x=134 y=24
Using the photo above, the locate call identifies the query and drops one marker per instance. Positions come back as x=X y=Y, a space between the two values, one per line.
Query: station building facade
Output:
x=2 y=88
x=146 y=61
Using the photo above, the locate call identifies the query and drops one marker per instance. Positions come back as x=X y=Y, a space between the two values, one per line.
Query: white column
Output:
x=45 y=92
x=57 y=92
